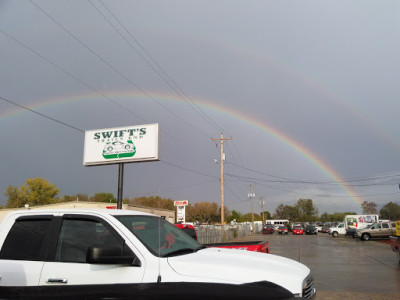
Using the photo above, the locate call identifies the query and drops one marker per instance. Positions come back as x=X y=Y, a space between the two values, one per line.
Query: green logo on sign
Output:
x=119 y=150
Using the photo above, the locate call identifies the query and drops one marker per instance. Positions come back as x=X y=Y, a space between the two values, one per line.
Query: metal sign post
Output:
x=120 y=185
x=121 y=145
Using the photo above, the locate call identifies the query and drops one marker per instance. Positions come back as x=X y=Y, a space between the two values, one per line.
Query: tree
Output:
x=235 y=216
x=104 y=197
x=335 y=217
x=204 y=212
x=289 y=212
x=369 y=207
x=249 y=217
x=77 y=197
x=308 y=212
x=156 y=202
x=36 y=191
x=14 y=197
x=390 y=211
x=267 y=215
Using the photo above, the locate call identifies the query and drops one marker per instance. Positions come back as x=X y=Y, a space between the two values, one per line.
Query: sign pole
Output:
x=120 y=185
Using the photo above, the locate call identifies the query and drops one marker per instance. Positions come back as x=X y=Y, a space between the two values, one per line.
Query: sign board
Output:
x=180 y=214
x=181 y=202
x=121 y=145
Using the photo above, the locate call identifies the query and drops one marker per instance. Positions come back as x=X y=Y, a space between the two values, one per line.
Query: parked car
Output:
x=268 y=229
x=377 y=230
x=337 y=230
x=256 y=246
x=325 y=229
x=298 y=230
x=351 y=232
x=283 y=230
x=395 y=241
x=395 y=244
x=311 y=229
x=319 y=228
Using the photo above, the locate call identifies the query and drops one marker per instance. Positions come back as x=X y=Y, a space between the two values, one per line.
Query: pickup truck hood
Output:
x=239 y=266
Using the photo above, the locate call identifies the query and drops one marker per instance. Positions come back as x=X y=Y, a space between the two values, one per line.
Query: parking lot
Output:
x=343 y=268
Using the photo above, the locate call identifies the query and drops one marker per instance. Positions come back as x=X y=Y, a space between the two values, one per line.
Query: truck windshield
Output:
x=160 y=237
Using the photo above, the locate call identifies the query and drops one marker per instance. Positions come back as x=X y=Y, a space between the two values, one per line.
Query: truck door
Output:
x=68 y=266
x=23 y=252
x=376 y=230
x=385 y=230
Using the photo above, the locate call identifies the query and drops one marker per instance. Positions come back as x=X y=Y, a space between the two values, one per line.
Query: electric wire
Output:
x=42 y=115
x=82 y=131
x=116 y=70
x=154 y=64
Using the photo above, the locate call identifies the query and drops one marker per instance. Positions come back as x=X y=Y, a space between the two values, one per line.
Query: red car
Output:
x=268 y=229
x=325 y=229
x=298 y=230
x=283 y=230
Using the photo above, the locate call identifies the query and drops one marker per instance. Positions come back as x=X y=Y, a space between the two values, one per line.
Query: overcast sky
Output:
x=307 y=90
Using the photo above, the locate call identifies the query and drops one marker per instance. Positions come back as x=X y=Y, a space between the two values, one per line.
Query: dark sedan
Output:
x=311 y=229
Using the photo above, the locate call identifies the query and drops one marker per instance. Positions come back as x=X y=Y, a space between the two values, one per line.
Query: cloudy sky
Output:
x=307 y=90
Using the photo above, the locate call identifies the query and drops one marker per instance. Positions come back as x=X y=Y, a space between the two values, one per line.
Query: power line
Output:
x=42 y=115
x=154 y=65
x=338 y=182
x=69 y=74
x=82 y=131
x=115 y=69
x=186 y=169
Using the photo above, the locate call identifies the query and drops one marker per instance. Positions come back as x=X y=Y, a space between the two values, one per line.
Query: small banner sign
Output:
x=181 y=202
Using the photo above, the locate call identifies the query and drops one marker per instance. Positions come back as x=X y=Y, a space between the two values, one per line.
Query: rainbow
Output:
x=262 y=125
x=313 y=82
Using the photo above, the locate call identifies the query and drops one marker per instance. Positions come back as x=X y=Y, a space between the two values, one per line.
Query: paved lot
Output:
x=343 y=268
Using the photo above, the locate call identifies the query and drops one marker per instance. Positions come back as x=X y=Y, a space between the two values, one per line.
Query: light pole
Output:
x=251 y=195
x=262 y=209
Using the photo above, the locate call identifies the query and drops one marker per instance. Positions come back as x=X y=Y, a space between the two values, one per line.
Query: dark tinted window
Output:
x=77 y=235
x=385 y=225
x=25 y=241
x=191 y=232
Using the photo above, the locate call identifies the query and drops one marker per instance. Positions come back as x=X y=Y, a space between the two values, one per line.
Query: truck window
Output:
x=385 y=225
x=77 y=235
x=159 y=236
x=26 y=240
x=376 y=226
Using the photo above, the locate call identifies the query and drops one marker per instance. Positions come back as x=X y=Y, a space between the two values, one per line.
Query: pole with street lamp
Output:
x=251 y=195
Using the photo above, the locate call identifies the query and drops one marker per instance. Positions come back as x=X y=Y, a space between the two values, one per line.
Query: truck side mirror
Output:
x=110 y=255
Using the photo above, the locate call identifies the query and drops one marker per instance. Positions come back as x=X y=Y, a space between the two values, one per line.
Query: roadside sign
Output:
x=121 y=145
x=180 y=214
x=181 y=202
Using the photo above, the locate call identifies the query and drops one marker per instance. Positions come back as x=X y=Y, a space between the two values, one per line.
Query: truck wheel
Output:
x=335 y=234
x=365 y=237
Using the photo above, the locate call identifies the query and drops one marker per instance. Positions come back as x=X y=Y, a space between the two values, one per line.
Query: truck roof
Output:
x=112 y=212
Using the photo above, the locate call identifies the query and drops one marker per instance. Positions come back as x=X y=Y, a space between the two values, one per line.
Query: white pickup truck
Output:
x=337 y=230
x=104 y=253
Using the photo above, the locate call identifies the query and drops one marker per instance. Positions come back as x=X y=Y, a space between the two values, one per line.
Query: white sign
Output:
x=181 y=202
x=180 y=214
x=122 y=144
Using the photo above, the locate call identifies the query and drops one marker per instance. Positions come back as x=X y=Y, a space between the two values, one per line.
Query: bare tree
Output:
x=369 y=207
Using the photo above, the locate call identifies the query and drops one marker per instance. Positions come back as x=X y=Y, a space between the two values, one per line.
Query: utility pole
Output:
x=221 y=140
x=262 y=209
x=251 y=196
